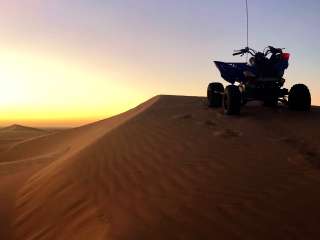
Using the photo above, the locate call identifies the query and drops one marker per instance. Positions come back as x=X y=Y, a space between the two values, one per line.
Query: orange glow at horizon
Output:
x=46 y=90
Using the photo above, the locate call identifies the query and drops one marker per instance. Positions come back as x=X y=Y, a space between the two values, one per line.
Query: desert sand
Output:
x=169 y=169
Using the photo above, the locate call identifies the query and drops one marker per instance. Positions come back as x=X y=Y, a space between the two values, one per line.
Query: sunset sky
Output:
x=66 y=63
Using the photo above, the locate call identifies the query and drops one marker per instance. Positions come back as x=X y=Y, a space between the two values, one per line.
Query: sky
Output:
x=66 y=63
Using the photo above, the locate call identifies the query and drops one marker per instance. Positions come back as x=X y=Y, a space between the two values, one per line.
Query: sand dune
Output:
x=9 y=136
x=20 y=128
x=168 y=169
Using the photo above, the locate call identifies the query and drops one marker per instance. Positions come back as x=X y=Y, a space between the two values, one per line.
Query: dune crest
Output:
x=17 y=127
x=174 y=169
x=70 y=140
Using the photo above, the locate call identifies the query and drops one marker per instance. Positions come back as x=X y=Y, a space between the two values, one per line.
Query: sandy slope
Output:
x=29 y=153
x=12 y=176
x=173 y=169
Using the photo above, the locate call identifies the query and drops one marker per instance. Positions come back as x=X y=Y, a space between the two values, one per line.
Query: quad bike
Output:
x=259 y=79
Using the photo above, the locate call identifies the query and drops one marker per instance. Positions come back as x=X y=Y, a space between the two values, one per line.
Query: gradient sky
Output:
x=70 y=62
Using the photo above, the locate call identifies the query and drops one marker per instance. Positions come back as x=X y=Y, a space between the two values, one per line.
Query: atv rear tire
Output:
x=215 y=94
x=232 y=100
x=299 y=98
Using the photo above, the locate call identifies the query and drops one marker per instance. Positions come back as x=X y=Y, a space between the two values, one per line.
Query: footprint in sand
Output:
x=312 y=158
x=228 y=133
x=305 y=150
x=210 y=123
x=183 y=116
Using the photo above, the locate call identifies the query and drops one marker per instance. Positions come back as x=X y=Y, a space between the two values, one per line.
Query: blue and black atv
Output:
x=259 y=79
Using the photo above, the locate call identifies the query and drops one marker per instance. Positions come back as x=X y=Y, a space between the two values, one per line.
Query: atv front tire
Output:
x=299 y=98
x=232 y=100
x=215 y=94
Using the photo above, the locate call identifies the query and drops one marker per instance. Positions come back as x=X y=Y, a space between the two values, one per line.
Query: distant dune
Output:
x=20 y=128
x=169 y=169
x=14 y=134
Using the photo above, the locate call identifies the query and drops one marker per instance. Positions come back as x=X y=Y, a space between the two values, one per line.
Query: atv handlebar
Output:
x=237 y=53
x=244 y=51
x=252 y=52
x=240 y=52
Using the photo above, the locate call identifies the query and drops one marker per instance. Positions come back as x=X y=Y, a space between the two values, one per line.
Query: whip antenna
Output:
x=247 y=12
